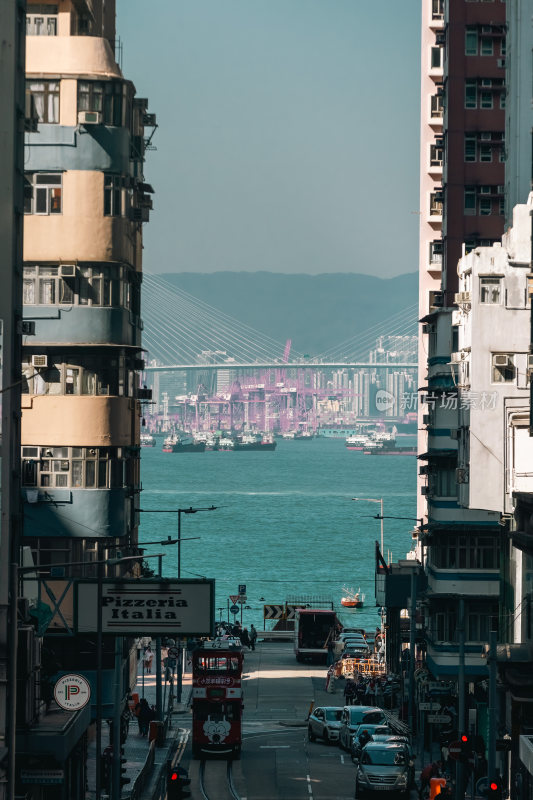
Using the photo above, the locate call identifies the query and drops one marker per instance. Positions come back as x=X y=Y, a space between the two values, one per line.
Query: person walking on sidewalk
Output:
x=245 y=638
x=148 y=657
x=253 y=637
x=144 y=715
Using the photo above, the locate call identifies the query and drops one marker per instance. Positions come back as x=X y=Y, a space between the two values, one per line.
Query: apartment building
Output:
x=85 y=203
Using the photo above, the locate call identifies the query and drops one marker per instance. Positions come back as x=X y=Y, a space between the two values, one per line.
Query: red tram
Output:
x=216 y=701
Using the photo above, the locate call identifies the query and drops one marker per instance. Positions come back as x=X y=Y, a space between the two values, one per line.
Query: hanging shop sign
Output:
x=72 y=692
x=146 y=607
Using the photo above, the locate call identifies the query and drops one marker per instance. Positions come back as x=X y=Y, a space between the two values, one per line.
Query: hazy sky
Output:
x=288 y=132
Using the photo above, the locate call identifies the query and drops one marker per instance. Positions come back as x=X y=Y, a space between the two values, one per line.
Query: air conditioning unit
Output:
x=462 y=297
x=484 y=190
x=67 y=270
x=454 y=433
x=424 y=469
x=425 y=419
x=503 y=360
x=501 y=63
x=530 y=361
x=440 y=38
x=486 y=82
x=144 y=394
x=461 y=475
x=456 y=358
x=26 y=327
x=424 y=490
x=485 y=136
x=39 y=361
x=428 y=328
x=149 y=120
x=89 y=118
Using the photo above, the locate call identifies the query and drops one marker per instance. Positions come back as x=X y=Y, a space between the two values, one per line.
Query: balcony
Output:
x=467 y=583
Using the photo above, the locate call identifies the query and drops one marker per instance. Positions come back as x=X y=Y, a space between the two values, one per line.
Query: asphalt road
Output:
x=278 y=762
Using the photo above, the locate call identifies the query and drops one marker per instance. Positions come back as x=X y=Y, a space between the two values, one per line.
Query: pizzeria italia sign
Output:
x=146 y=607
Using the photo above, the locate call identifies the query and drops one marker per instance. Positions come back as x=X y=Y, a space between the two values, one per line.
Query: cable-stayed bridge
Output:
x=182 y=332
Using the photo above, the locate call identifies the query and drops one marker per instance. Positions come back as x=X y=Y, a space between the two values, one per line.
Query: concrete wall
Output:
x=80 y=421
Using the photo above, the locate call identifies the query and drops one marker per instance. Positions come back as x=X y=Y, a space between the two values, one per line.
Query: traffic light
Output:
x=123 y=769
x=177 y=780
x=466 y=747
x=494 y=791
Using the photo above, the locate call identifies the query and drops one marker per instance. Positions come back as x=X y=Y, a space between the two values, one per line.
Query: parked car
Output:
x=385 y=766
x=324 y=723
x=353 y=716
x=381 y=732
x=355 y=650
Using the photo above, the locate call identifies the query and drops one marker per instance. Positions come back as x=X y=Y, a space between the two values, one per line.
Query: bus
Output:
x=216 y=701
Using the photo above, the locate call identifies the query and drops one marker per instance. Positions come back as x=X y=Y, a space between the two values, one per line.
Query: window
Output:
x=435 y=204
x=487 y=47
x=470 y=94
x=45 y=196
x=46 y=99
x=470 y=200
x=115 y=196
x=437 y=9
x=435 y=155
x=42 y=21
x=88 y=286
x=466 y=551
x=501 y=207
x=503 y=368
x=471 y=42
x=485 y=99
x=470 y=148
x=437 y=105
x=502 y=99
x=485 y=206
x=436 y=57
x=485 y=152
x=104 y=97
x=76 y=468
x=490 y=291
x=435 y=251
x=481 y=618
x=445 y=484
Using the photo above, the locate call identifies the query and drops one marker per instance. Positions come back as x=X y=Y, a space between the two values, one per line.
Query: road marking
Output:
x=275 y=746
x=309 y=787
x=342 y=759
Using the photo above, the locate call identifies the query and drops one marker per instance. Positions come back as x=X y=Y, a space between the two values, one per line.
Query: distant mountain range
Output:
x=317 y=312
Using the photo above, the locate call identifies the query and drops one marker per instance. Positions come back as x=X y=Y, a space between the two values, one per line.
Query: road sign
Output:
x=242 y=588
x=72 y=692
x=234 y=598
x=429 y=706
x=437 y=719
x=272 y=612
x=173 y=652
x=242 y=599
x=43 y=777
x=290 y=612
x=234 y=609
x=482 y=786
x=455 y=749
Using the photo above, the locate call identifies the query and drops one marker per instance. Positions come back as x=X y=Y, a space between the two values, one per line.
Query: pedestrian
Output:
x=369 y=692
x=381 y=653
x=144 y=714
x=430 y=771
x=380 y=700
x=245 y=638
x=253 y=637
x=349 y=691
x=148 y=657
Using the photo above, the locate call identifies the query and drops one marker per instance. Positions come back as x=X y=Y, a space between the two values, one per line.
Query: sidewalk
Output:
x=137 y=748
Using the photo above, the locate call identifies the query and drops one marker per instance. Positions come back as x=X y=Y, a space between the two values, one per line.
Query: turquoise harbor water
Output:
x=286 y=523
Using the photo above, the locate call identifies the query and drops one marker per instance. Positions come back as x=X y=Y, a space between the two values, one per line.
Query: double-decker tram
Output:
x=216 y=701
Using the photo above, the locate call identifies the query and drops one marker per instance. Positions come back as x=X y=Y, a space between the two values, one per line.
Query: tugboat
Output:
x=352 y=599
x=176 y=443
x=252 y=441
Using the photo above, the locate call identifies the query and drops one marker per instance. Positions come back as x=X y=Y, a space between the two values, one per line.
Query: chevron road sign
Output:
x=290 y=612
x=272 y=612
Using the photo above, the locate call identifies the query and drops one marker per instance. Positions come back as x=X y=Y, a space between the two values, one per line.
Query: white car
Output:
x=324 y=723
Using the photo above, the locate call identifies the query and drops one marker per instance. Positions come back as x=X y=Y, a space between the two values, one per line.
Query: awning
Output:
x=437 y=454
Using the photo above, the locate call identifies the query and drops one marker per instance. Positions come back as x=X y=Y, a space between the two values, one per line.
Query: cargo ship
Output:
x=176 y=443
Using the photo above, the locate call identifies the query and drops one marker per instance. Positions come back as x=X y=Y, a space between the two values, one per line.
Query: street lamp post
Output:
x=179 y=512
x=381 y=517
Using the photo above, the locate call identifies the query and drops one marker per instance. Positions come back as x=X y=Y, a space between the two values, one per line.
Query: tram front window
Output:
x=216 y=713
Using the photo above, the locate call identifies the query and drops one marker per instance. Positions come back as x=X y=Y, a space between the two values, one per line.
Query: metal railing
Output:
x=142 y=778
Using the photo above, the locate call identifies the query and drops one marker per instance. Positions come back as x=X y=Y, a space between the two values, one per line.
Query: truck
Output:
x=315 y=627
